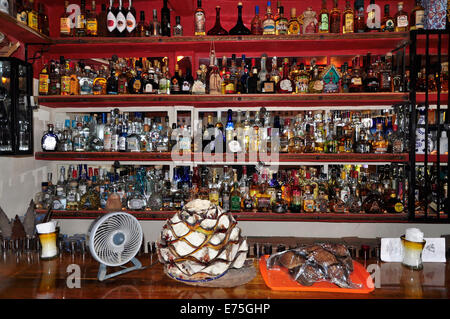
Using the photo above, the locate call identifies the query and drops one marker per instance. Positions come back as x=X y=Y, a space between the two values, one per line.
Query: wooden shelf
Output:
x=21 y=32
x=243 y=216
x=221 y=101
x=221 y=158
x=251 y=45
x=432 y=158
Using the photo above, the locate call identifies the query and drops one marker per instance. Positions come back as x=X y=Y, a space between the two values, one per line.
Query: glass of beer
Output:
x=47 y=236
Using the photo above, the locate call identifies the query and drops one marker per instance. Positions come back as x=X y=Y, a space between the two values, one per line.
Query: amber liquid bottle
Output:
x=101 y=22
x=387 y=23
x=324 y=18
x=348 y=18
x=360 y=25
x=335 y=19
x=217 y=29
x=294 y=25
x=417 y=17
x=91 y=22
x=64 y=28
x=42 y=20
x=199 y=19
x=256 y=24
x=401 y=19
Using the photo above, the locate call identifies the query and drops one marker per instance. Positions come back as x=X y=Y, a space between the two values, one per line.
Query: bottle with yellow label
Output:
x=74 y=83
x=91 y=22
x=65 y=78
x=32 y=16
x=348 y=18
x=64 y=22
x=294 y=25
x=43 y=81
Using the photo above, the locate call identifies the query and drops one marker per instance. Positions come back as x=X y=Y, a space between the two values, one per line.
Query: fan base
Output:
x=102 y=270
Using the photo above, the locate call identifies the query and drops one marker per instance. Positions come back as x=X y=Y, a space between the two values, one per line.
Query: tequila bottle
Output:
x=335 y=19
x=387 y=23
x=268 y=23
x=256 y=24
x=294 y=25
x=324 y=18
x=348 y=19
x=199 y=19
x=49 y=141
x=281 y=24
x=235 y=196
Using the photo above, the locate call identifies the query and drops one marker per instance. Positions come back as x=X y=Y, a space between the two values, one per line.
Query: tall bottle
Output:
x=64 y=22
x=235 y=196
x=281 y=24
x=417 y=17
x=256 y=24
x=121 y=20
x=348 y=19
x=131 y=20
x=91 y=22
x=165 y=20
x=387 y=23
x=401 y=19
x=217 y=29
x=286 y=85
x=111 y=20
x=239 y=28
x=324 y=18
x=155 y=25
x=268 y=22
x=32 y=16
x=335 y=19
x=359 y=24
x=80 y=21
x=43 y=26
x=142 y=29
x=102 y=22
x=199 y=19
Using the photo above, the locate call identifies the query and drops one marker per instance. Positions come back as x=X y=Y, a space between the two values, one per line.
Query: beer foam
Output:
x=45 y=228
x=414 y=234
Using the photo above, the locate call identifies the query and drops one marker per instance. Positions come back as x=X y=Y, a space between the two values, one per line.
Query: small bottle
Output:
x=335 y=19
x=268 y=23
x=256 y=24
x=294 y=25
x=199 y=19
x=401 y=19
x=348 y=19
x=80 y=21
x=387 y=23
x=32 y=16
x=178 y=28
x=49 y=141
x=217 y=29
x=417 y=16
x=142 y=27
x=324 y=18
x=131 y=20
x=91 y=22
x=281 y=24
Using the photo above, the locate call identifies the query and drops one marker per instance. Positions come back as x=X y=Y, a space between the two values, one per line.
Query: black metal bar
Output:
x=412 y=126
x=425 y=164
x=438 y=111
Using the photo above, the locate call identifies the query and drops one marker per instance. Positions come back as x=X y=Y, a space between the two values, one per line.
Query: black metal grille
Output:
x=429 y=191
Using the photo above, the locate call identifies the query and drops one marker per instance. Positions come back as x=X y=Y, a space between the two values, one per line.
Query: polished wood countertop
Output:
x=24 y=275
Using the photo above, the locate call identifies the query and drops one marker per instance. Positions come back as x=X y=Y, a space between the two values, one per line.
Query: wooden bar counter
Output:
x=23 y=275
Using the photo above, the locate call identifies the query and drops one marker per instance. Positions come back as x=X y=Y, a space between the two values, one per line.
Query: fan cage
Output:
x=101 y=243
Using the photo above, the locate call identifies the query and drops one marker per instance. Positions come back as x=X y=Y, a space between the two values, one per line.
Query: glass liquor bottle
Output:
x=32 y=16
x=401 y=19
x=309 y=21
x=335 y=19
x=155 y=26
x=43 y=26
x=324 y=18
x=111 y=20
x=262 y=73
x=380 y=143
x=102 y=24
x=296 y=197
x=385 y=73
x=286 y=85
x=235 y=196
x=80 y=21
x=175 y=81
x=21 y=12
x=65 y=77
x=91 y=22
x=239 y=28
x=217 y=29
x=49 y=141
x=165 y=19
x=100 y=83
x=131 y=20
x=417 y=18
x=360 y=24
x=256 y=24
x=121 y=21
x=44 y=81
x=214 y=189
x=294 y=25
x=268 y=23
x=281 y=24
x=316 y=83
x=263 y=198
x=178 y=28
x=356 y=84
x=387 y=23
x=142 y=27
x=199 y=19
x=371 y=82
x=302 y=84
x=348 y=19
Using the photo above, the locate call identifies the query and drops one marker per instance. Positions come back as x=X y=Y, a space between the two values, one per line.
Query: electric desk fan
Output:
x=114 y=240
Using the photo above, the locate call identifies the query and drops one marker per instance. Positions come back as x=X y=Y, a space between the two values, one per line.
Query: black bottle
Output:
x=165 y=20
x=111 y=83
x=240 y=28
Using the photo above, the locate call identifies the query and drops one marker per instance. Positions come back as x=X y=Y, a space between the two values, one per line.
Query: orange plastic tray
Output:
x=278 y=278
